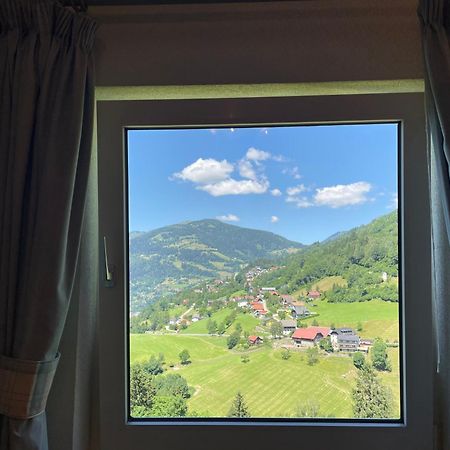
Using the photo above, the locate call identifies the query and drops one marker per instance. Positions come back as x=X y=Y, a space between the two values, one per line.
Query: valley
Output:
x=280 y=323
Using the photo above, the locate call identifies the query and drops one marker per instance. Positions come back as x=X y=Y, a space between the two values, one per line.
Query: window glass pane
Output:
x=264 y=273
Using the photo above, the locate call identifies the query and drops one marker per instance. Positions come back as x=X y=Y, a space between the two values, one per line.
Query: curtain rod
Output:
x=174 y=2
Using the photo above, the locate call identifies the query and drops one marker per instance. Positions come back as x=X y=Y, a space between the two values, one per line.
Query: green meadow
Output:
x=272 y=386
x=323 y=285
x=378 y=318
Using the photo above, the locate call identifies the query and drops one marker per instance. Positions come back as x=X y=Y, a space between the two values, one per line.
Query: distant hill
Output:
x=169 y=258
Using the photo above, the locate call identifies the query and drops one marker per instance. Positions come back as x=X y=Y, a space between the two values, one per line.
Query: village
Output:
x=285 y=310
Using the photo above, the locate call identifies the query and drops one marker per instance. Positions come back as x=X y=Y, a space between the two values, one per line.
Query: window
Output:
x=114 y=118
x=262 y=261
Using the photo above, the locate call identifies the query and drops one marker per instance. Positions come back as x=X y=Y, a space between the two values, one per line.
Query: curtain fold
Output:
x=46 y=119
x=435 y=18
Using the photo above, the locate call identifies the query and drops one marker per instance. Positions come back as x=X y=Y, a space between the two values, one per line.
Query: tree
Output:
x=169 y=406
x=282 y=315
x=371 y=400
x=238 y=407
x=230 y=318
x=359 y=326
x=379 y=356
x=233 y=339
x=276 y=329
x=238 y=327
x=221 y=328
x=185 y=357
x=211 y=326
x=325 y=344
x=301 y=323
x=285 y=354
x=171 y=385
x=313 y=355
x=315 y=323
x=332 y=325
x=154 y=365
x=245 y=359
x=142 y=391
x=358 y=360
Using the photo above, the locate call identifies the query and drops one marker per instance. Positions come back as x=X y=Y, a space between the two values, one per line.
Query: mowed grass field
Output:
x=378 y=318
x=272 y=387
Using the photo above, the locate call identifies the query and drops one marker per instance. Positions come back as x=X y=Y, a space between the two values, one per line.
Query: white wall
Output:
x=284 y=42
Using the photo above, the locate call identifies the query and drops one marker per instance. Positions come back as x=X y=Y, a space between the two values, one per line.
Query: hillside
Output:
x=358 y=265
x=360 y=256
x=177 y=256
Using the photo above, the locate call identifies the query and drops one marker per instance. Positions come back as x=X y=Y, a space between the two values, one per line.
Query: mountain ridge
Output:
x=169 y=258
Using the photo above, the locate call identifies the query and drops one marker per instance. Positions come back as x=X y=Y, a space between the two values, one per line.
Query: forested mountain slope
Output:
x=186 y=253
x=361 y=256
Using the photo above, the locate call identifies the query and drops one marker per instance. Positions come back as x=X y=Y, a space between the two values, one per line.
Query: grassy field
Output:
x=271 y=386
x=176 y=311
x=323 y=285
x=248 y=323
x=200 y=348
x=378 y=318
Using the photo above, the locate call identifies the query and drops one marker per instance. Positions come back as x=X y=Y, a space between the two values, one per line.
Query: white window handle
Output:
x=109 y=280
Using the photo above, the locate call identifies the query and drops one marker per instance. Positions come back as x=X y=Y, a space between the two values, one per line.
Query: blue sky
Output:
x=304 y=183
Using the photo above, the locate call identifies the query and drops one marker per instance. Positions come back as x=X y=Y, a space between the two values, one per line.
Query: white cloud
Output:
x=342 y=194
x=231 y=186
x=264 y=130
x=216 y=177
x=303 y=202
x=205 y=171
x=276 y=192
x=274 y=219
x=228 y=218
x=279 y=158
x=293 y=197
x=246 y=169
x=294 y=172
x=253 y=154
x=295 y=190
x=300 y=202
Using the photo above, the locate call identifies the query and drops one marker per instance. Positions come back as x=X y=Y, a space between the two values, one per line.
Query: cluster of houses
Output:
x=342 y=339
x=255 y=272
x=256 y=303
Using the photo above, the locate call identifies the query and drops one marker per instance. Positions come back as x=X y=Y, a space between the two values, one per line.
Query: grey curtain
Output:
x=46 y=114
x=435 y=17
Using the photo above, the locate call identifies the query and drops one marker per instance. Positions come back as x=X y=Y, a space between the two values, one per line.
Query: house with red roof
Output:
x=255 y=340
x=258 y=308
x=307 y=337
x=313 y=295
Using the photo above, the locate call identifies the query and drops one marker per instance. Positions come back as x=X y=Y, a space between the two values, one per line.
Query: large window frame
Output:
x=416 y=430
